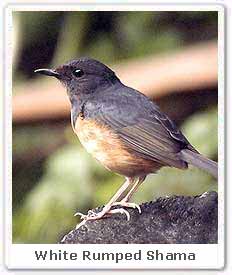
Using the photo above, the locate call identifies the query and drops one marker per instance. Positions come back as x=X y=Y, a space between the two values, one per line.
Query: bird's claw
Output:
x=91 y=215
x=129 y=205
x=84 y=216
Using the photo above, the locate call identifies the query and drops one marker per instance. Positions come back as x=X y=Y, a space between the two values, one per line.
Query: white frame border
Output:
x=86 y=6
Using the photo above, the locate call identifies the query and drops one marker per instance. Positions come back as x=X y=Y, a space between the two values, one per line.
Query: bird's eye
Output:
x=78 y=72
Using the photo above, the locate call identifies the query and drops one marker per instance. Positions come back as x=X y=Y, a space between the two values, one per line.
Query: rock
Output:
x=173 y=220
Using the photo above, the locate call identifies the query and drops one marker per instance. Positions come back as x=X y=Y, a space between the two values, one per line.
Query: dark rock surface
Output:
x=177 y=219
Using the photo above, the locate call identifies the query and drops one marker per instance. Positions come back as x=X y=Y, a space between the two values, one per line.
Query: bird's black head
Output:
x=82 y=76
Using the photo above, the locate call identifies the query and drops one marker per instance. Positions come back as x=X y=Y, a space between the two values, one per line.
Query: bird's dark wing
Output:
x=143 y=128
x=149 y=139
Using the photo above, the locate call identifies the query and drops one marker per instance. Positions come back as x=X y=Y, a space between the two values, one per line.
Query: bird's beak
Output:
x=48 y=72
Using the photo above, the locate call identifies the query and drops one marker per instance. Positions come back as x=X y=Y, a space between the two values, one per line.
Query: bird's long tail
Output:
x=200 y=161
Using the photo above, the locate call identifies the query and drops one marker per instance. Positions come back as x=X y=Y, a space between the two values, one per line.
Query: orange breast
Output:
x=105 y=145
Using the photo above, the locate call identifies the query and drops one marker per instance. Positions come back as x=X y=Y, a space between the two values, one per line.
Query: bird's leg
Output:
x=125 y=201
x=134 y=188
x=106 y=209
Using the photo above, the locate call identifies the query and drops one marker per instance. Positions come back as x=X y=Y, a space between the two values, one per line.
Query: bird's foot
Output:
x=85 y=216
x=107 y=211
x=128 y=205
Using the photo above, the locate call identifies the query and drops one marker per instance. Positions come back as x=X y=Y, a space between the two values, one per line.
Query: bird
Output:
x=123 y=129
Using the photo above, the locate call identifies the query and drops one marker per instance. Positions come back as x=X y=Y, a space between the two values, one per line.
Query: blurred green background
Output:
x=53 y=176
